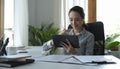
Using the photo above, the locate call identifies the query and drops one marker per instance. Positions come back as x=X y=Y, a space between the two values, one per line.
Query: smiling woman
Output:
x=85 y=38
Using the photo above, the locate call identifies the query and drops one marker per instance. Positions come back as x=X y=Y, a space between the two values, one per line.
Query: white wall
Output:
x=44 y=11
x=31 y=11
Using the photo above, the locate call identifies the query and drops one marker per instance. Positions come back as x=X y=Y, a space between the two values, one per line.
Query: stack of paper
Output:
x=13 y=57
x=15 y=60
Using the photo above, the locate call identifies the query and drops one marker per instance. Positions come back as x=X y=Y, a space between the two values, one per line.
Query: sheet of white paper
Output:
x=53 y=58
x=94 y=58
x=71 y=61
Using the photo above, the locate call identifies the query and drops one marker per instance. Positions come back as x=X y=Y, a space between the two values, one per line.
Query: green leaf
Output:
x=38 y=36
x=111 y=44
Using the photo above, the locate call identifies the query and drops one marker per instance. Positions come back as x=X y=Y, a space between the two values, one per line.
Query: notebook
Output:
x=16 y=63
x=13 y=57
x=57 y=39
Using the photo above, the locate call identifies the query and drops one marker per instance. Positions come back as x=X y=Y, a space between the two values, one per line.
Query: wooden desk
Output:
x=36 y=52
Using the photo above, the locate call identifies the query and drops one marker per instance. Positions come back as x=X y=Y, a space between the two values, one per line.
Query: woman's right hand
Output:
x=64 y=32
x=52 y=43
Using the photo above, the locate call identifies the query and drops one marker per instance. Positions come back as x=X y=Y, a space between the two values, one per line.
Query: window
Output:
x=9 y=20
x=16 y=22
x=109 y=13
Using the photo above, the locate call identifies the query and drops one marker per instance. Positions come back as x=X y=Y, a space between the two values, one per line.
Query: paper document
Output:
x=52 y=58
x=73 y=59
x=94 y=58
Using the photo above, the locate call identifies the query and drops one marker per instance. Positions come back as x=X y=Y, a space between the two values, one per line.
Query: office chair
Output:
x=97 y=28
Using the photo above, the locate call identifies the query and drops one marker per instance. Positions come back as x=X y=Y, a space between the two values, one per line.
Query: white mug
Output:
x=11 y=50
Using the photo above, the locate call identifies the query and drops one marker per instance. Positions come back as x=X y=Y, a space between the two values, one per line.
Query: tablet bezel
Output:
x=57 y=39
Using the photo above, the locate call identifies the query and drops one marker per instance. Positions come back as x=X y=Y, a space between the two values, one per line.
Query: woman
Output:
x=86 y=39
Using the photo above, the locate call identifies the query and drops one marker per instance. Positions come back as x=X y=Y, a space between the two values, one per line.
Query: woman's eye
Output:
x=78 y=19
x=71 y=20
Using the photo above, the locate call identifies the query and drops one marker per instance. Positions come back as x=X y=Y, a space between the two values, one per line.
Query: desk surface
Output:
x=36 y=52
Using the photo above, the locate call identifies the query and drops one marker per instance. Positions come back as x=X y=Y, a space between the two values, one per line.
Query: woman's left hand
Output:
x=68 y=47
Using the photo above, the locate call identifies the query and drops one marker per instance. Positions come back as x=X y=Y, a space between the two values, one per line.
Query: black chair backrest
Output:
x=97 y=28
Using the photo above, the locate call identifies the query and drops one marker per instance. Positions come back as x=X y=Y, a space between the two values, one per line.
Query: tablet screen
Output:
x=57 y=39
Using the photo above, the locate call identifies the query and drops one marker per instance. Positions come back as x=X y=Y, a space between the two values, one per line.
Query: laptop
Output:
x=57 y=39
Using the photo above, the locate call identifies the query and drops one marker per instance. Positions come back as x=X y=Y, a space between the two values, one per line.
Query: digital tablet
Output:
x=57 y=39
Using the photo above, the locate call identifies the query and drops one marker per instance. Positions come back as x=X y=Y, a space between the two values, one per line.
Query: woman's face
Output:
x=76 y=20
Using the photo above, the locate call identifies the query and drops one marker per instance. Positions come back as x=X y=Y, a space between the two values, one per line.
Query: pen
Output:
x=99 y=62
x=103 y=62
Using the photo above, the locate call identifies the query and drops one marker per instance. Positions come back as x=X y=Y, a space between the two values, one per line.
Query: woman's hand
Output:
x=68 y=47
x=52 y=43
x=64 y=32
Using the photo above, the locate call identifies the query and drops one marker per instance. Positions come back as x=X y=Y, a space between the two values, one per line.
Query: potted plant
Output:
x=111 y=43
x=37 y=36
